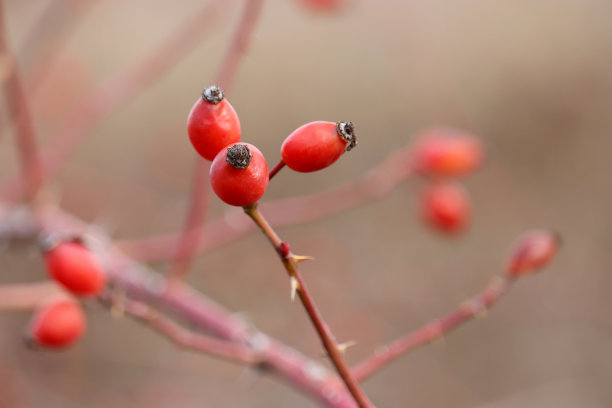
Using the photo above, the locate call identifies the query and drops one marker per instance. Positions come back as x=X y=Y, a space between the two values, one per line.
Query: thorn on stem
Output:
x=299 y=258
x=342 y=347
x=295 y=286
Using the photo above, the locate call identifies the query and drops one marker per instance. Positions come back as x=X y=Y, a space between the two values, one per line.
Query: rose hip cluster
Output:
x=59 y=321
x=441 y=155
x=239 y=173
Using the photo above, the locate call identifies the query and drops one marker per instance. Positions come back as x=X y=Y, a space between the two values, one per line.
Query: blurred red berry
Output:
x=239 y=174
x=447 y=152
x=325 y=5
x=212 y=123
x=446 y=207
x=317 y=145
x=76 y=267
x=57 y=324
x=532 y=251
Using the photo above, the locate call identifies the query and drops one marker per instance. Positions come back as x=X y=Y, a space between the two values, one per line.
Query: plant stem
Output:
x=19 y=112
x=325 y=334
x=434 y=329
x=276 y=169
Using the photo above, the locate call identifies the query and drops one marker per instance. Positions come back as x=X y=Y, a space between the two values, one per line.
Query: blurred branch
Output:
x=19 y=112
x=140 y=283
x=182 y=337
x=475 y=306
x=374 y=185
x=119 y=89
x=50 y=31
x=196 y=214
x=27 y=296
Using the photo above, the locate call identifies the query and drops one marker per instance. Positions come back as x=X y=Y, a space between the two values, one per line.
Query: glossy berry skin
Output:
x=532 y=251
x=314 y=146
x=212 y=124
x=447 y=152
x=76 y=267
x=446 y=207
x=57 y=324
x=239 y=186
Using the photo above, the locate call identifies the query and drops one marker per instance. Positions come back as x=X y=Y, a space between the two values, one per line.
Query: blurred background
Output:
x=532 y=79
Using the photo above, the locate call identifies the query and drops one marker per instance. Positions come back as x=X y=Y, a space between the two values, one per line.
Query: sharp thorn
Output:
x=342 y=347
x=295 y=285
x=299 y=258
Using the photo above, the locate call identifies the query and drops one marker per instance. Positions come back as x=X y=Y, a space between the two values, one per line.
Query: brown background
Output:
x=532 y=78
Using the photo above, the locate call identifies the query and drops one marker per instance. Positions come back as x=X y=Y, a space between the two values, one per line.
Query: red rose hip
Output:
x=446 y=207
x=212 y=123
x=317 y=145
x=532 y=251
x=76 y=267
x=447 y=152
x=239 y=174
x=57 y=324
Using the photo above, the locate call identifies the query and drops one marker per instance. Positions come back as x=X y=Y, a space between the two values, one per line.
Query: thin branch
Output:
x=54 y=25
x=226 y=74
x=19 y=112
x=190 y=237
x=279 y=166
x=119 y=89
x=182 y=301
x=237 y=352
x=27 y=296
x=374 y=185
x=434 y=329
x=196 y=214
x=323 y=330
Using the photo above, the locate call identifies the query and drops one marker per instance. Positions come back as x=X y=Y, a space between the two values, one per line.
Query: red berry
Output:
x=325 y=5
x=212 y=123
x=77 y=268
x=532 y=251
x=317 y=145
x=447 y=152
x=239 y=174
x=57 y=324
x=446 y=206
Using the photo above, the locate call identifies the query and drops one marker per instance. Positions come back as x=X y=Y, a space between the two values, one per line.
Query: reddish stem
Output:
x=434 y=329
x=229 y=66
x=198 y=206
x=19 y=111
x=323 y=330
x=190 y=237
x=237 y=352
x=276 y=169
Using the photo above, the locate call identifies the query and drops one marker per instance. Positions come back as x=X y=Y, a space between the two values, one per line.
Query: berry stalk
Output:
x=279 y=166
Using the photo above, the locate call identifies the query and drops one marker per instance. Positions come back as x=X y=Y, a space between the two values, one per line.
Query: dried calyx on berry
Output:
x=238 y=156
x=212 y=123
x=213 y=94
x=346 y=130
